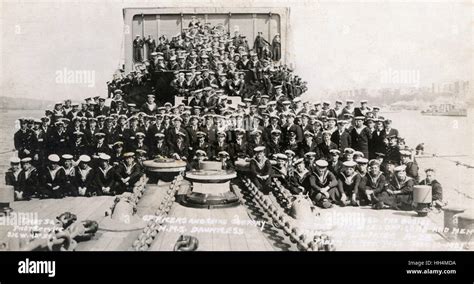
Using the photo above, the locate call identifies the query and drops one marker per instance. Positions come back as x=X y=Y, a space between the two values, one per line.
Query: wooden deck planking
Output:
x=236 y=242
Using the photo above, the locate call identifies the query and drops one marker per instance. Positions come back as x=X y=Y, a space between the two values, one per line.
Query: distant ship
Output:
x=444 y=110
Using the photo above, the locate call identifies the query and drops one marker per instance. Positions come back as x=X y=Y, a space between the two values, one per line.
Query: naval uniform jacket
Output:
x=12 y=178
x=323 y=149
x=238 y=149
x=25 y=140
x=376 y=143
x=360 y=141
x=273 y=148
x=348 y=184
x=134 y=172
x=85 y=178
x=261 y=169
x=105 y=178
x=376 y=183
x=28 y=181
x=296 y=180
x=51 y=179
x=342 y=140
x=160 y=150
x=314 y=183
x=335 y=168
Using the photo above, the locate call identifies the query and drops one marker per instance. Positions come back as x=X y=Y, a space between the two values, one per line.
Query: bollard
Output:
x=451 y=218
x=422 y=198
x=465 y=226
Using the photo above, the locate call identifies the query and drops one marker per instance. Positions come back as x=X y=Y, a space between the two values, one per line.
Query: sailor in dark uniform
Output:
x=12 y=177
x=239 y=147
x=392 y=152
x=322 y=185
x=58 y=139
x=28 y=180
x=436 y=188
x=193 y=128
x=297 y=178
x=53 y=179
x=377 y=144
x=325 y=146
x=219 y=146
x=99 y=146
x=335 y=165
x=118 y=150
x=150 y=107
x=70 y=188
x=374 y=186
x=399 y=192
x=128 y=172
x=85 y=178
x=360 y=136
x=160 y=147
x=308 y=145
x=389 y=131
x=101 y=108
x=105 y=176
x=274 y=145
x=172 y=133
x=348 y=185
x=109 y=131
x=255 y=141
x=411 y=166
x=139 y=143
x=261 y=170
x=180 y=149
x=25 y=140
x=78 y=145
x=292 y=143
x=341 y=137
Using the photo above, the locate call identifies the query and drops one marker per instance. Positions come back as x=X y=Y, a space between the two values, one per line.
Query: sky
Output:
x=334 y=44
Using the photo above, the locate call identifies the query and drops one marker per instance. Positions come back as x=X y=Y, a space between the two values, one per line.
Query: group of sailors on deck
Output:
x=334 y=153
x=337 y=155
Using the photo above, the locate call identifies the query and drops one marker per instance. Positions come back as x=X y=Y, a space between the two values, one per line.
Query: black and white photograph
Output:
x=237 y=126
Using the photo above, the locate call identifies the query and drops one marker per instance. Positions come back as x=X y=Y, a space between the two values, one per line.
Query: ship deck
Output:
x=350 y=228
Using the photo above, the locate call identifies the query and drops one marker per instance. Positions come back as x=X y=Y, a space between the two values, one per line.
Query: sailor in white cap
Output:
x=335 y=165
x=349 y=108
x=400 y=190
x=105 y=176
x=261 y=170
x=363 y=110
x=128 y=172
x=70 y=188
x=411 y=166
x=373 y=186
x=274 y=144
x=53 y=178
x=239 y=148
x=85 y=177
x=12 y=176
x=341 y=136
x=348 y=185
x=326 y=145
x=360 y=136
x=322 y=185
x=220 y=145
x=299 y=178
x=28 y=179
x=180 y=149
x=224 y=158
